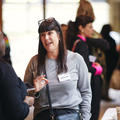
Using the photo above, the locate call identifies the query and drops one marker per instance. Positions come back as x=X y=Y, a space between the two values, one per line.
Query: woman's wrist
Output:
x=98 y=68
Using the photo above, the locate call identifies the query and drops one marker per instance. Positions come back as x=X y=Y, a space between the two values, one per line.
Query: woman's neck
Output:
x=52 y=55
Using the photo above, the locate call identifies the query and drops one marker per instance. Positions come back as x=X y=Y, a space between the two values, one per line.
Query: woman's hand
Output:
x=40 y=82
x=29 y=100
x=98 y=68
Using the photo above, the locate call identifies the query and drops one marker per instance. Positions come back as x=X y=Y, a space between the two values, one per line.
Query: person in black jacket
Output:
x=76 y=41
x=14 y=104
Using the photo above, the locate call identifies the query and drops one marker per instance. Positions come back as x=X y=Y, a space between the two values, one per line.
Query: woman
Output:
x=66 y=72
x=96 y=44
x=80 y=30
x=14 y=104
x=76 y=41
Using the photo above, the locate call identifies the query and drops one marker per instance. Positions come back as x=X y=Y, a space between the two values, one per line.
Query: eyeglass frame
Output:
x=50 y=19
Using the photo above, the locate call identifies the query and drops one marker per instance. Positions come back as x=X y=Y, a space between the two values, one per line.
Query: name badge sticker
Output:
x=64 y=77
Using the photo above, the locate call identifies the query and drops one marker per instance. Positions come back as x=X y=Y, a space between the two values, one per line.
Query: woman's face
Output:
x=88 y=30
x=50 y=40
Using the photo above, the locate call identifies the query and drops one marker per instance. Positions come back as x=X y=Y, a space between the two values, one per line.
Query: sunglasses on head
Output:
x=48 y=20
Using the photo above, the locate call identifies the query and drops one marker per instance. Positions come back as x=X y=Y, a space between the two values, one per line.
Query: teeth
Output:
x=48 y=43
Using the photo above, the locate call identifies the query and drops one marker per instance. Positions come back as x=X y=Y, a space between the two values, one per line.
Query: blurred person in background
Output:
x=116 y=36
x=111 y=55
x=76 y=41
x=97 y=45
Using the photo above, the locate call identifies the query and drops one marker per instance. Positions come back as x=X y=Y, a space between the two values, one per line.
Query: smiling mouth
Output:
x=47 y=44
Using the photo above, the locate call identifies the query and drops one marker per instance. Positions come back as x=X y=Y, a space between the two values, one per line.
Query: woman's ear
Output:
x=80 y=28
x=58 y=36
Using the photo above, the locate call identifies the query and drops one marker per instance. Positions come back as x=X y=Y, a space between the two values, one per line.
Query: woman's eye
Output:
x=49 y=33
x=42 y=35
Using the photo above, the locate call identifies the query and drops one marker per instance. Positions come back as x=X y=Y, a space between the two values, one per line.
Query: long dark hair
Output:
x=48 y=25
x=73 y=30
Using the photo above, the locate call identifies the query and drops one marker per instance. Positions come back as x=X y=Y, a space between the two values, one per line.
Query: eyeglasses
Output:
x=48 y=20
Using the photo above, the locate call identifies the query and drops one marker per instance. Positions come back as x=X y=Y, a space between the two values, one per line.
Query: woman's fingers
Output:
x=40 y=82
x=29 y=100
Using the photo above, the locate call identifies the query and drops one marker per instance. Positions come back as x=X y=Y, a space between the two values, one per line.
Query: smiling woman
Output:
x=65 y=72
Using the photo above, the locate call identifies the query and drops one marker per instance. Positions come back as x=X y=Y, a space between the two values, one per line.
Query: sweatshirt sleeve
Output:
x=82 y=49
x=84 y=88
x=12 y=95
x=31 y=71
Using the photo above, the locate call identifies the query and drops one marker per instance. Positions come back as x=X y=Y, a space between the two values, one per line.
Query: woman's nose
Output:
x=46 y=36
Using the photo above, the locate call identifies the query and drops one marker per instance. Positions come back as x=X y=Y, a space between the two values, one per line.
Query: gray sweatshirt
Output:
x=68 y=90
